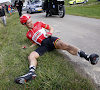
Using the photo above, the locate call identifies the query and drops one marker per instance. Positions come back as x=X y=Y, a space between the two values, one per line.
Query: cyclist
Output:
x=47 y=42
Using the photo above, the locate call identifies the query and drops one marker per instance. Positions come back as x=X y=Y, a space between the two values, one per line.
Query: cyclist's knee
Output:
x=61 y=45
x=33 y=55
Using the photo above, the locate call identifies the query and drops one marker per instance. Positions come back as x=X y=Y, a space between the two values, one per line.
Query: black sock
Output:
x=82 y=54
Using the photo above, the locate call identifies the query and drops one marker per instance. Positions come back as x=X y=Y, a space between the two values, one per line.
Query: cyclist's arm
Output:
x=34 y=44
x=48 y=27
x=50 y=31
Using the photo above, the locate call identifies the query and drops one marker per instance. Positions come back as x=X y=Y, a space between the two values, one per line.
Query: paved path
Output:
x=81 y=32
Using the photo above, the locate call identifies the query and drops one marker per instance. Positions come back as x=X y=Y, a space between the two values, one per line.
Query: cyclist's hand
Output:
x=48 y=34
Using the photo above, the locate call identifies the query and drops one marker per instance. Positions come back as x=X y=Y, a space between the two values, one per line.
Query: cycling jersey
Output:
x=38 y=33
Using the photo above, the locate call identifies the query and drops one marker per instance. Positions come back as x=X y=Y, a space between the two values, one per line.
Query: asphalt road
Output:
x=81 y=32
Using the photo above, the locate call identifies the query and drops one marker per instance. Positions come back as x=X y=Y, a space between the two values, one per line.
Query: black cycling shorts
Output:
x=47 y=45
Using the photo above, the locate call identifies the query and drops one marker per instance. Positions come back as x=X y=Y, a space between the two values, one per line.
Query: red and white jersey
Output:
x=38 y=33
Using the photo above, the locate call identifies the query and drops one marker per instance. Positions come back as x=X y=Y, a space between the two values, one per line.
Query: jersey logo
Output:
x=36 y=35
x=29 y=34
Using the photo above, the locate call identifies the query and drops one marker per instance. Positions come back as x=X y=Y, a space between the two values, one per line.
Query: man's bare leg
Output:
x=71 y=49
x=32 y=66
x=32 y=58
x=93 y=58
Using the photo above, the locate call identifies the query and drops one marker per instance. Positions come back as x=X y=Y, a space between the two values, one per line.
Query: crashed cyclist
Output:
x=47 y=42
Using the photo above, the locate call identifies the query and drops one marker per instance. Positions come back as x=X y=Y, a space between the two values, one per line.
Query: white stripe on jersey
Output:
x=38 y=34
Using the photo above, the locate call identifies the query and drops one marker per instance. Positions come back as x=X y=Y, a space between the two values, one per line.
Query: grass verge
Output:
x=91 y=10
x=53 y=71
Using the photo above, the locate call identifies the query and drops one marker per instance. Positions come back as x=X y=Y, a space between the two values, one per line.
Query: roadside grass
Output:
x=89 y=2
x=90 y=9
x=53 y=71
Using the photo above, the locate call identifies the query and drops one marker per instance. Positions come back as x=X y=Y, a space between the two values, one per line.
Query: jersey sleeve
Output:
x=46 y=26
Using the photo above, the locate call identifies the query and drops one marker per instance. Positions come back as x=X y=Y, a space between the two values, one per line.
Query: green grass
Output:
x=91 y=9
x=89 y=2
x=53 y=71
